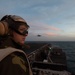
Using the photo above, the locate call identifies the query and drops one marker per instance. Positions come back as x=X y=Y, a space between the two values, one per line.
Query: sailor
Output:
x=13 y=32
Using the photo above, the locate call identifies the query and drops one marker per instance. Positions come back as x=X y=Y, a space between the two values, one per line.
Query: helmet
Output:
x=12 y=22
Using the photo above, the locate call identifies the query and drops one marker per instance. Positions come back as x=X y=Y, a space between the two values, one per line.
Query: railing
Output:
x=31 y=56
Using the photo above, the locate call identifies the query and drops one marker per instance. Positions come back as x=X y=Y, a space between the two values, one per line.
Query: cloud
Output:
x=51 y=34
x=47 y=17
x=55 y=28
x=42 y=26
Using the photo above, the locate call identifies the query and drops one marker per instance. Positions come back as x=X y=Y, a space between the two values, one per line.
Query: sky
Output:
x=54 y=20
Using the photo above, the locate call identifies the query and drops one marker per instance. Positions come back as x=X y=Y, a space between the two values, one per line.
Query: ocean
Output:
x=67 y=46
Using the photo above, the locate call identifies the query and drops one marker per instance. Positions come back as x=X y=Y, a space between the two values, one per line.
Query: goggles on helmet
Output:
x=21 y=33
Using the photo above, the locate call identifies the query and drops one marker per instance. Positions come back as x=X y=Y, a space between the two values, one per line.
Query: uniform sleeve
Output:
x=14 y=65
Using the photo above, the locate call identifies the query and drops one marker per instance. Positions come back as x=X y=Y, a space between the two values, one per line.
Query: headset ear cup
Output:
x=3 y=28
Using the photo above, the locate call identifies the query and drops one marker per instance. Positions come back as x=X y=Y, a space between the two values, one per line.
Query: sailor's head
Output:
x=12 y=22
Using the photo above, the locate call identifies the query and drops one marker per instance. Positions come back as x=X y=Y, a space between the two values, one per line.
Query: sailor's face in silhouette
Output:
x=20 y=38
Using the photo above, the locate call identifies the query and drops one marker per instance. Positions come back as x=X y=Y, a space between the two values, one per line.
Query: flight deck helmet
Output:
x=12 y=22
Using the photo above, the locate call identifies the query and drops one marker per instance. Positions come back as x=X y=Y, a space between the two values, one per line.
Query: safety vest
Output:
x=7 y=51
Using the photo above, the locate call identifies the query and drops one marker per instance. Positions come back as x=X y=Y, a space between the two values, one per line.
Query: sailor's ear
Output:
x=3 y=28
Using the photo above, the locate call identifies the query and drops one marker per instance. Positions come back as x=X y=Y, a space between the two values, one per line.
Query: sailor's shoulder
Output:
x=7 y=51
x=13 y=62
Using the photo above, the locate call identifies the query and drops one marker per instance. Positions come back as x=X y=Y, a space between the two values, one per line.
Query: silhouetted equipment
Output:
x=48 y=60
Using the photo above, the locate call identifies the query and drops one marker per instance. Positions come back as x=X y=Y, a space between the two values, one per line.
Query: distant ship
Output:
x=48 y=60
